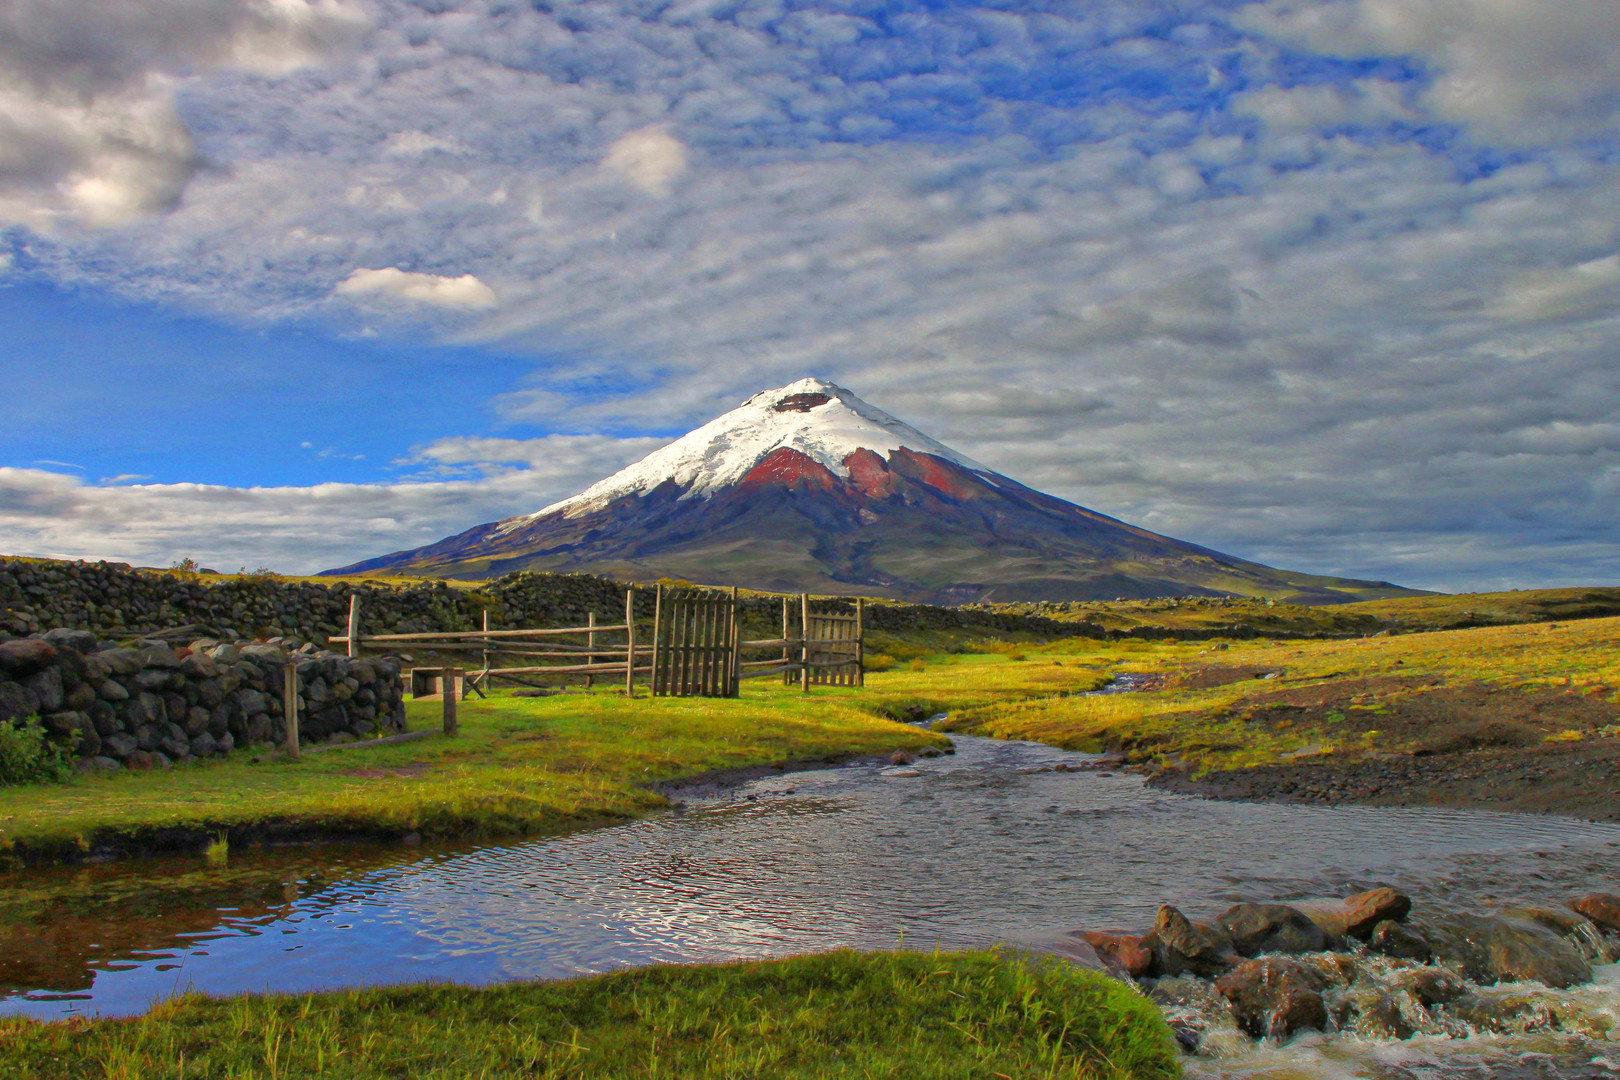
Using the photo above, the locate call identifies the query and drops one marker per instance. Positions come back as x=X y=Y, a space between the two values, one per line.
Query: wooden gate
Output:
x=695 y=644
x=832 y=655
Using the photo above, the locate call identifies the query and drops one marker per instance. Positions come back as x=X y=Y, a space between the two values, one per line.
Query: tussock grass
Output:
x=1215 y=728
x=836 y=1014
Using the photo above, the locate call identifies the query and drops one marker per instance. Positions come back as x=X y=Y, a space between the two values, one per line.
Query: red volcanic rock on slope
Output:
x=809 y=488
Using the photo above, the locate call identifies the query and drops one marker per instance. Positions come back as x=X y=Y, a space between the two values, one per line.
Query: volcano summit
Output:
x=809 y=488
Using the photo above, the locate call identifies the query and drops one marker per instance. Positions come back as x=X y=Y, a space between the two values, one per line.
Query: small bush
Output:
x=26 y=757
x=917 y=665
x=879 y=662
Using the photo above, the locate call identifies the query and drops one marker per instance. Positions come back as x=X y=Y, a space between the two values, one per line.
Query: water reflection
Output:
x=989 y=844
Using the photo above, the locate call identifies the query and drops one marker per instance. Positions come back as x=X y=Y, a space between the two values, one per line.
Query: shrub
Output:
x=27 y=757
x=878 y=662
x=917 y=665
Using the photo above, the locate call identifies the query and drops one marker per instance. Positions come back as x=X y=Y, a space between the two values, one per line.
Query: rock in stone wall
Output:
x=115 y=601
x=154 y=704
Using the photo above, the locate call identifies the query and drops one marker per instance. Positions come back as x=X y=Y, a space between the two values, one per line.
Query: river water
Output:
x=1000 y=841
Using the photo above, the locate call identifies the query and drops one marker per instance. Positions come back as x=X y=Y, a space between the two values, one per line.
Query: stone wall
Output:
x=152 y=704
x=115 y=601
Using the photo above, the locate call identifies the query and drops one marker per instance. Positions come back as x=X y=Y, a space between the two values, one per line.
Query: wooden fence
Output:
x=695 y=651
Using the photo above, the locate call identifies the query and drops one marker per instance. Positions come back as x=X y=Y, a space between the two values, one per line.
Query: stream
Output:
x=1000 y=841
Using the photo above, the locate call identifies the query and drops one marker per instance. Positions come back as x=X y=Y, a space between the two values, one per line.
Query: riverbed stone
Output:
x=1390 y=938
x=1179 y=945
x=1121 y=949
x=1601 y=908
x=1264 y=928
x=1355 y=916
x=1500 y=948
x=1275 y=996
x=1431 y=986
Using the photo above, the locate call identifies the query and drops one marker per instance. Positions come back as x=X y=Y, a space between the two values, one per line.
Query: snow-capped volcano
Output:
x=809 y=488
x=819 y=420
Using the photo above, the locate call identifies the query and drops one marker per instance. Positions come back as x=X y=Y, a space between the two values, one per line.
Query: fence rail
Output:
x=696 y=649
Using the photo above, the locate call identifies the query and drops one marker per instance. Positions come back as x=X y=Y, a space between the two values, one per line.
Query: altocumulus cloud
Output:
x=1330 y=284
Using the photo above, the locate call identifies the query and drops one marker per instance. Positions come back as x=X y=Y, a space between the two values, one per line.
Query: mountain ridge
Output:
x=809 y=488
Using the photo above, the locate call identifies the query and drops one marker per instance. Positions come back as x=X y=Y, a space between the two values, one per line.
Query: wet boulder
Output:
x=1431 y=986
x=1390 y=938
x=1355 y=916
x=1601 y=908
x=1378 y=1015
x=1266 y=928
x=1180 y=945
x=1502 y=1014
x=1123 y=951
x=1500 y=948
x=1275 y=997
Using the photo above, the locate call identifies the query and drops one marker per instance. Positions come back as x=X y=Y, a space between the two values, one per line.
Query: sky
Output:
x=1328 y=284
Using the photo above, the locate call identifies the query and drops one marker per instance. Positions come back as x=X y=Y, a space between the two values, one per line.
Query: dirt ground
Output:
x=1415 y=741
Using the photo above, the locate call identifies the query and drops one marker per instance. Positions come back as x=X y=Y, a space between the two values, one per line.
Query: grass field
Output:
x=525 y=765
x=520 y=765
x=1217 y=707
x=836 y=1014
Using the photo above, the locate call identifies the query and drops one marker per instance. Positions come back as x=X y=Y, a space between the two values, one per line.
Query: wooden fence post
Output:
x=787 y=657
x=658 y=618
x=630 y=642
x=734 y=671
x=448 y=678
x=590 y=647
x=860 y=641
x=485 y=654
x=804 y=625
x=289 y=705
x=354 y=625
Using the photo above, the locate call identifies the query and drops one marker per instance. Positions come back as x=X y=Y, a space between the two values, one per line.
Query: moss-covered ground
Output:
x=836 y=1014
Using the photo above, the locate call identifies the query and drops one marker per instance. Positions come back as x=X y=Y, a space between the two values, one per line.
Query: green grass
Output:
x=1215 y=727
x=520 y=765
x=836 y=1014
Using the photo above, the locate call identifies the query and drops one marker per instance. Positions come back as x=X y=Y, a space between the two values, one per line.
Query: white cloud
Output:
x=414 y=143
x=298 y=529
x=465 y=291
x=1590 y=288
x=1510 y=72
x=1292 y=342
x=89 y=128
x=1366 y=102
x=651 y=158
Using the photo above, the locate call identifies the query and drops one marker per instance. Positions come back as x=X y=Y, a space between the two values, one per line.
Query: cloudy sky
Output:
x=1331 y=284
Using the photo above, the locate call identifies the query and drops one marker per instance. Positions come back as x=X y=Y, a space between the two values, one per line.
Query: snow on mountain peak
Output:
x=819 y=419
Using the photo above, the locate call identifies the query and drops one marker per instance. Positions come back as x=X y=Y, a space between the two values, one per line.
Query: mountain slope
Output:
x=809 y=488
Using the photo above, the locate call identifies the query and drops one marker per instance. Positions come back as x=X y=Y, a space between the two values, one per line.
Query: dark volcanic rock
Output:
x=19 y=659
x=1601 y=908
x=1355 y=916
x=1260 y=928
x=1275 y=997
x=1499 y=948
x=1179 y=945
x=1402 y=942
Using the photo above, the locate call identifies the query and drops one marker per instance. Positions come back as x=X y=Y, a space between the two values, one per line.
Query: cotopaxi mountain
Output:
x=809 y=488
